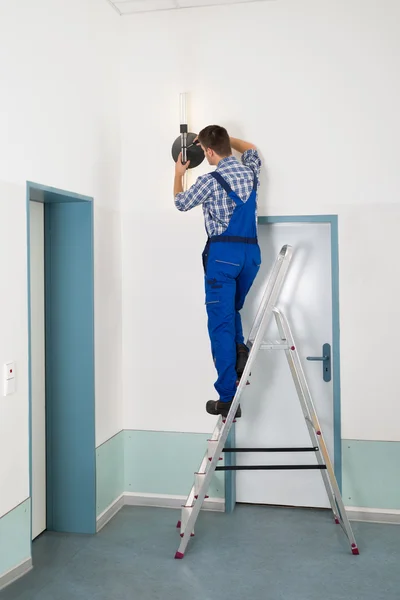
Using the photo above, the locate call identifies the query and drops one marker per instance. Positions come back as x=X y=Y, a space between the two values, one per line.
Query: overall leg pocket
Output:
x=213 y=290
x=220 y=306
x=223 y=268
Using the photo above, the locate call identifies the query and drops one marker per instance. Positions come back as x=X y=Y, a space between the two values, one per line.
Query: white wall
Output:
x=14 y=453
x=315 y=85
x=59 y=124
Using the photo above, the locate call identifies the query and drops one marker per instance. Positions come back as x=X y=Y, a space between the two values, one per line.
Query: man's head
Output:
x=215 y=143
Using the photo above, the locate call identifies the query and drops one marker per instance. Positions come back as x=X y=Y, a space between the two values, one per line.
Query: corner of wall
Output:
x=152 y=468
x=109 y=473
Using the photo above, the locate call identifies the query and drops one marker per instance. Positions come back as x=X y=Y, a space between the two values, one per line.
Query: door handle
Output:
x=326 y=362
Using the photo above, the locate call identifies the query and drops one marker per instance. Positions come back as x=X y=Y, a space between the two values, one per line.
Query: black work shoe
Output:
x=216 y=407
x=242 y=354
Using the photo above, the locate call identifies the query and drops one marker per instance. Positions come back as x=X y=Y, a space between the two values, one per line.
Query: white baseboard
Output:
x=156 y=500
x=170 y=501
x=15 y=573
x=354 y=513
x=109 y=512
x=373 y=515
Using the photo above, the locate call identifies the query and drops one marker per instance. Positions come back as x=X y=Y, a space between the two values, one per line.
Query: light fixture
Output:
x=185 y=142
x=183 y=125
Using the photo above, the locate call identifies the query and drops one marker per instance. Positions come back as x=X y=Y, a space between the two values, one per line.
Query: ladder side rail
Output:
x=203 y=465
x=282 y=262
x=267 y=292
x=311 y=431
x=302 y=390
x=316 y=428
x=189 y=526
x=268 y=308
x=291 y=350
x=329 y=476
x=291 y=347
x=287 y=335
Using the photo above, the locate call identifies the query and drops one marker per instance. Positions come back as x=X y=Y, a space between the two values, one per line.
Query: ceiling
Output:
x=130 y=7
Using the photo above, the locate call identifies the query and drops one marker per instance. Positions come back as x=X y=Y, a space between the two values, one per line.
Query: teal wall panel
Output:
x=164 y=462
x=15 y=542
x=109 y=472
x=161 y=462
x=371 y=474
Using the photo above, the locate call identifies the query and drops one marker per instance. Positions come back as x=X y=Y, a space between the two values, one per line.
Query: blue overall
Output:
x=231 y=262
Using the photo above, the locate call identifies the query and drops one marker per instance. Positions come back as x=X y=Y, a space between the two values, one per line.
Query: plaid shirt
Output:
x=217 y=206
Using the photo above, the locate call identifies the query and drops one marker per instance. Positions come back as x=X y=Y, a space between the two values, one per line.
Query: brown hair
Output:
x=216 y=138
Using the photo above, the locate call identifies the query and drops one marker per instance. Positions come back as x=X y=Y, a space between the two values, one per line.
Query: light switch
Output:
x=9 y=378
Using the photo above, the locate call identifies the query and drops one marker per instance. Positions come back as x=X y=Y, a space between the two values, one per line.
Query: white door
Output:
x=272 y=415
x=38 y=369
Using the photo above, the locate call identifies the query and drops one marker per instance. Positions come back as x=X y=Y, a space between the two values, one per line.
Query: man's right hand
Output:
x=180 y=168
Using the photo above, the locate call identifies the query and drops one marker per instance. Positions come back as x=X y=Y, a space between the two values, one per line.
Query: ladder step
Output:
x=198 y=482
x=268 y=346
x=271 y=468
x=186 y=512
x=211 y=447
x=313 y=449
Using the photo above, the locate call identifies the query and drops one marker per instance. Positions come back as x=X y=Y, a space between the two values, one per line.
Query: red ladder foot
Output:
x=178 y=525
x=179 y=555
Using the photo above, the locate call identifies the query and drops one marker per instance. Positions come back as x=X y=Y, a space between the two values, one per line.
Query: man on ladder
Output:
x=232 y=257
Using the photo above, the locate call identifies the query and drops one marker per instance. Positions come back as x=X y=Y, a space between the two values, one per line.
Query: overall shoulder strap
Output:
x=226 y=187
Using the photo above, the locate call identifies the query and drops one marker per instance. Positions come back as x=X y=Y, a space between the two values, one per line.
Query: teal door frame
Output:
x=230 y=476
x=70 y=384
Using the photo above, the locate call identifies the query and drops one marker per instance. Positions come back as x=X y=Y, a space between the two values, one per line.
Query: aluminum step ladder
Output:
x=216 y=444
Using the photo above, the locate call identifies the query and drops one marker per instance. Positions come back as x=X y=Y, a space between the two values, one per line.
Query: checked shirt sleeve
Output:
x=251 y=159
x=195 y=195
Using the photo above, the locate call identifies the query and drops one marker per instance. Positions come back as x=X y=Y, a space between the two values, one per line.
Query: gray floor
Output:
x=257 y=553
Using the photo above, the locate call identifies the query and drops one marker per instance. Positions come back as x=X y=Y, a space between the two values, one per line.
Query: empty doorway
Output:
x=61 y=360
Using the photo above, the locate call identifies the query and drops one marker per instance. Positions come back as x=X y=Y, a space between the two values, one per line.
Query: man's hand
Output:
x=180 y=168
